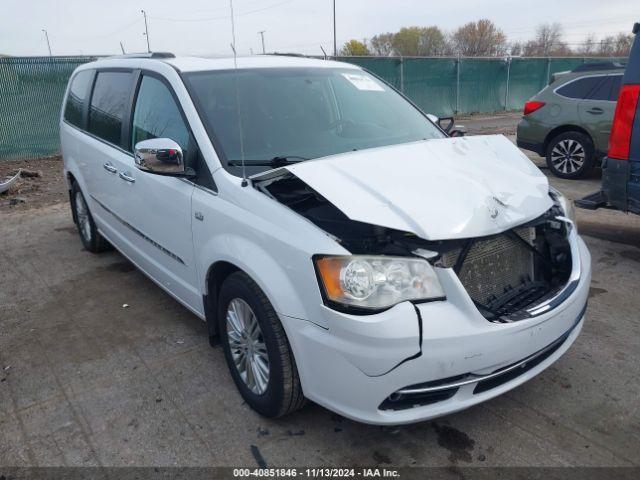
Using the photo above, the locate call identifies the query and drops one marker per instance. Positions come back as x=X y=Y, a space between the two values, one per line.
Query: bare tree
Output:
x=382 y=44
x=480 y=39
x=588 y=46
x=606 y=47
x=515 y=49
x=622 y=45
x=547 y=42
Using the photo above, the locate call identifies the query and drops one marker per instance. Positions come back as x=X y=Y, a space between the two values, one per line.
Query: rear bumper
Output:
x=353 y=370
x=531 y=146
x=527 y=139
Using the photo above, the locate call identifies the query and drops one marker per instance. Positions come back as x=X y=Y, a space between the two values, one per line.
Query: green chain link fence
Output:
x=448 y=86
x=31 y=90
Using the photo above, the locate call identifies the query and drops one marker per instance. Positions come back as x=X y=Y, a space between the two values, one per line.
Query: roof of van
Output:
x=195 y=64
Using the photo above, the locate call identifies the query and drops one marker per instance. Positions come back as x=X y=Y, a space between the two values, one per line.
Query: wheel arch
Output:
x=564 y=129
x=216 y=275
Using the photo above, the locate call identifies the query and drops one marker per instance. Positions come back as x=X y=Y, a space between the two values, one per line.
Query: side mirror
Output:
x=445 y=123
x=458 y=131
x=162 y=156
x=434 y=118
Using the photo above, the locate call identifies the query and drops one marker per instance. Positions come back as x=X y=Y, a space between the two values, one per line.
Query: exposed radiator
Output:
x=494 y=265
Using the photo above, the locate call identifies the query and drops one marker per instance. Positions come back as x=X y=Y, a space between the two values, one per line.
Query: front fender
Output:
x=284 y=280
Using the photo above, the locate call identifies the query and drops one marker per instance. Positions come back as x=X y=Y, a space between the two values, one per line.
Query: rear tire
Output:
x=89 y=235
x=253 y=338
x=570 y=155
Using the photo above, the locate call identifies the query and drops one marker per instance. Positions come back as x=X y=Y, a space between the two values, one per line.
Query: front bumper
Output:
x=354 y=366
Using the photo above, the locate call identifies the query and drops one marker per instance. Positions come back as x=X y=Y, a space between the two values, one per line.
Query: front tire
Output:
x=89 y=235
x=570 y=155
x=256 y=348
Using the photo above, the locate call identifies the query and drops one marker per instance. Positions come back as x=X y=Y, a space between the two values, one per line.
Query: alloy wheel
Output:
x=82 y=215
x=248 y=349
x=568 y=156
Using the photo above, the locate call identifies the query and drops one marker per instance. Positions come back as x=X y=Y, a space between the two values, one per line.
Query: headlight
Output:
x=565 y=204
x=373 y=282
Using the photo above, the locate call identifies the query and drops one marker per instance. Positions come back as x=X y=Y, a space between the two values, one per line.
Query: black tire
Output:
x=570 y=155
x=90 y=237
x=283 y=392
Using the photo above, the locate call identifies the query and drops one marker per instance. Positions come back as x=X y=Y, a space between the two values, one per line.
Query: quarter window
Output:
x=109 y=105
x=603 y=90
x=157 y=115
x=75 y=99
x=579 y=88
x=615 y=87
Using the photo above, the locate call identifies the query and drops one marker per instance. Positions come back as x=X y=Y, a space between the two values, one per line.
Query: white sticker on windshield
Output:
x=363 y=82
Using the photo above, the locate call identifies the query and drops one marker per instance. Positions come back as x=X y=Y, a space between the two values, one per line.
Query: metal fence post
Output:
x=401 y=74
x=506 y=93
x=458 y=85
x=548 y=70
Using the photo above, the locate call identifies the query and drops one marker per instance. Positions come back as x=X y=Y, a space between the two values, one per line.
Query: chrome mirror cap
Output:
x=159 y=155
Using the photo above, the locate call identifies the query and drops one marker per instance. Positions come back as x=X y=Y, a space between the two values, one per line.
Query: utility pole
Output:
x=122 y=48
x=146 y=30
x=335 y=44
x=261 y=33
x=46 y=35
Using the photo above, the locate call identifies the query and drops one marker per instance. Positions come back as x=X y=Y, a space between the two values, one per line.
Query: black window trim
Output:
x=193 y=143
x=85 y=100
x=127 y=108
x=601 y=76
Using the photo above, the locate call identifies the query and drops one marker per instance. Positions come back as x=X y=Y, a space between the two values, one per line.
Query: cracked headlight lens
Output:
x=376 y=282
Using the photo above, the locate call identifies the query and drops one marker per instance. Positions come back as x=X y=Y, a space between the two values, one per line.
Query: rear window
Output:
x=77 y=95
x=109 y=103
x=579 y=88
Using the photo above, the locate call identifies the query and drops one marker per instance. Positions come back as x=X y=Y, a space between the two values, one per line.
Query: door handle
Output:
x=126 y=177
x=109 y=167
x=595 y=111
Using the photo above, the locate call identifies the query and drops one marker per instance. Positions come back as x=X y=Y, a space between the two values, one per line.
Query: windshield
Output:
x=301 y=113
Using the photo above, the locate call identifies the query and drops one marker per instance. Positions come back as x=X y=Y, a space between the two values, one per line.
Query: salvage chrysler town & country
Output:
x=340 y=246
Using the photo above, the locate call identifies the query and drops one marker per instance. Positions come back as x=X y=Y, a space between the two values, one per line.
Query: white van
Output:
x=341 y=247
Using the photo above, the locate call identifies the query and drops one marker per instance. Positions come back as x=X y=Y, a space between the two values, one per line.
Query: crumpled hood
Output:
x=437 y=189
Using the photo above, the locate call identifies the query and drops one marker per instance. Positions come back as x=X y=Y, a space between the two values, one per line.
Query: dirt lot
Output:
x=85 y=381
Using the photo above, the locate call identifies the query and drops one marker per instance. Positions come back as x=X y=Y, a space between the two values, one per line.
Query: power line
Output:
x=225 y=17
x=101 y=36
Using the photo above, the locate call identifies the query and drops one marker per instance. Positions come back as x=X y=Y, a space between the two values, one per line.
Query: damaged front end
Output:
x=505 y=274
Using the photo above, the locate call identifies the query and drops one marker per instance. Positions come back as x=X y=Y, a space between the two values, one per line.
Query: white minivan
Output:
x=340 y=246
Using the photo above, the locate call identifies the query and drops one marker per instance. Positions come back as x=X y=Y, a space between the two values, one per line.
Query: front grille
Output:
x=494 y=266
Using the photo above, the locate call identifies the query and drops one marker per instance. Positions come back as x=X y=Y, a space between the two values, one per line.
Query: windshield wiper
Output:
x=275 y=162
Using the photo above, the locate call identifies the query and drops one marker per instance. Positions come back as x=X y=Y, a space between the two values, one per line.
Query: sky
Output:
x=203 y=27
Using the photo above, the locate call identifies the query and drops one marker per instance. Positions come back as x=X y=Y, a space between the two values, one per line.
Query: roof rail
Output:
x=591 y=66
x=286 y=54
x=145 y=55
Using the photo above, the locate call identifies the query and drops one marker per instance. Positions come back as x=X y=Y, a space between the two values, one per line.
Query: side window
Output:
x=75 y=99
x=602 y=91
x=109 y=101
x=156 y=115
x=579 y=88
x=616 y=81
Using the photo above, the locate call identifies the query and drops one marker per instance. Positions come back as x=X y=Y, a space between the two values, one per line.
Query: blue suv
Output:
x=621 y=166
